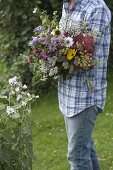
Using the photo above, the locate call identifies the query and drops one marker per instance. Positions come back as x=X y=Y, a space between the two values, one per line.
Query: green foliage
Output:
x=16 y=23
x=16 y=151
x=16 y=143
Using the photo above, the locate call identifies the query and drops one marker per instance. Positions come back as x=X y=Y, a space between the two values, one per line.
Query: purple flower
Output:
x=40 y=54
x=39 y=28
x=33 y=42
x=52 y=49
x=54 y=41
x=43 y=55
x=43 y=41
x=89 y=27
x=54 y=44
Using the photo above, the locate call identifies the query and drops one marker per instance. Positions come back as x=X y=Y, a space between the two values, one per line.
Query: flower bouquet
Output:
x=57 y=52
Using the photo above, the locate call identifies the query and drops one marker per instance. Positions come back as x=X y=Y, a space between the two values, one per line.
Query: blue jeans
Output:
x=81 y=151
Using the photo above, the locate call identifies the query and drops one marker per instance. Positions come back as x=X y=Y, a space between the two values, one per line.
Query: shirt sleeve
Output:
x=100 y=18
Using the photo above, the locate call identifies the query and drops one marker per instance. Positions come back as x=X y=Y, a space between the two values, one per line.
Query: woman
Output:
x=78 y=104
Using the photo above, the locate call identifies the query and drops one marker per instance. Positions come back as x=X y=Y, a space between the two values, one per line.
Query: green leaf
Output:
x=2 y=106
x=16 y=115
x=18 y=106
x=4 y=100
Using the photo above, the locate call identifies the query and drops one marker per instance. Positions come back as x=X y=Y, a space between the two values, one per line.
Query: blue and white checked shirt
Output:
x=73 y=94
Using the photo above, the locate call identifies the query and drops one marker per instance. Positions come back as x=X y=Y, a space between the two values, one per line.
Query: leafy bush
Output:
x=16 y=151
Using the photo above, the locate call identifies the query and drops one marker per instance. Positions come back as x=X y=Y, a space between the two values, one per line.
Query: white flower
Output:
x=42 y=62
x=24 y=103
x=19 y=97
x=44 y=69
x=52 y=60
x=23 y=93
x=68 y=42
x=65 y=65
x=28 y=94
x=44 y=78
x=53 y=71
x=35 y=10
x=54 y=31
x=17 y=89
x=19 y=84
x=10 y=110
x=13 y=81
x=56 y=70
x=37 y=96
x=24 y=86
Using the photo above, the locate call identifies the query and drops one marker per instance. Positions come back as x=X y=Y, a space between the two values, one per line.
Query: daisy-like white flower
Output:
x=68 y=42
x=10 y=110
x=56 y=31
x=13 y=81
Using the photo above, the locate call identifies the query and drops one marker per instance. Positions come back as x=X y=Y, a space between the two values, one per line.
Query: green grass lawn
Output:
x=49 y=136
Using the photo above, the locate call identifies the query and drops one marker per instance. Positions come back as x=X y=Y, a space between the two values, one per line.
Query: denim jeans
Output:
x=81 y=151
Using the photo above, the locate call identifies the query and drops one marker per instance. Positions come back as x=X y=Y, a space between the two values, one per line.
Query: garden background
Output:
x=17 y=22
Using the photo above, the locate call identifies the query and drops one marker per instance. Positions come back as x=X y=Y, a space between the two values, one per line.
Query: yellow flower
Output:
x=71 y=54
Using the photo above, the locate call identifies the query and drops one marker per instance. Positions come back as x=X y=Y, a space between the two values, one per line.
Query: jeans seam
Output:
x=82 y=136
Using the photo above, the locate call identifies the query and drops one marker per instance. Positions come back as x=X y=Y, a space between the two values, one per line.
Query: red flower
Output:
x=87 y=42
x=78 y=38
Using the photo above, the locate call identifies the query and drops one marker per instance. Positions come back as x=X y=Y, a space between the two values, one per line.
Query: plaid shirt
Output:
x=73 y=94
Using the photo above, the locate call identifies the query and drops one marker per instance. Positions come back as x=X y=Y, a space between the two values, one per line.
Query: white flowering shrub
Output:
x=16 y=151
